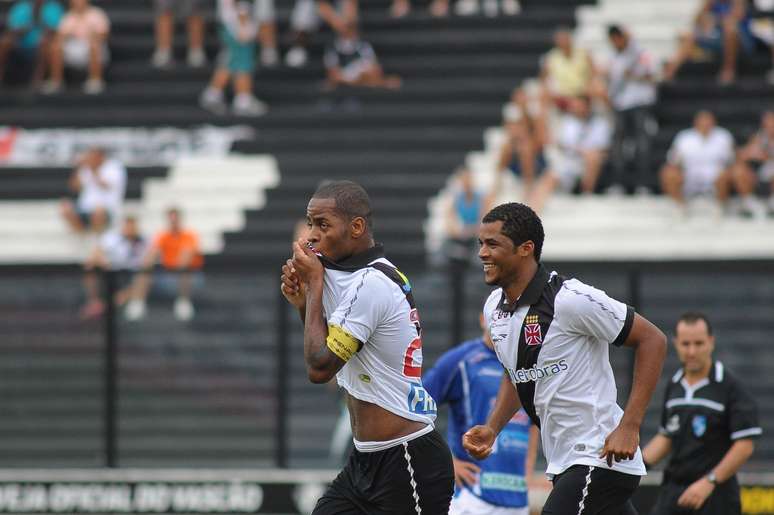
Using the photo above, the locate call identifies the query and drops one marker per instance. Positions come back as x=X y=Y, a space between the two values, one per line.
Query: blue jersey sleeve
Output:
x=442 y=381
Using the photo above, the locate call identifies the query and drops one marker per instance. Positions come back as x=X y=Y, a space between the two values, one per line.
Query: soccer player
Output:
x=361 y=326
x=552 y=335
x=708 y=423
x=467 y=378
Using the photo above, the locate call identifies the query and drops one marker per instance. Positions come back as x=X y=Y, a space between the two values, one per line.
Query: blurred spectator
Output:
x=121 y=252
x=237 y=58
x=191 y=10
x=581 y=148
x=721 y=27
x=631 y=91
x=177 y=250
x=523 y=150
x=755 y=165
x=100 y=184
x=305 y=18
x=463 y=217
x=489 y=7
x=80 y=43
x=401 y=8
x=351 y=61
x=698 y=162
x=265 y=17
x=566 y=70
x=30 y=31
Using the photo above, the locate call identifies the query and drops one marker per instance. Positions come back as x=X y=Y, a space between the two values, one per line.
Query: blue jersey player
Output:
x=467 y=378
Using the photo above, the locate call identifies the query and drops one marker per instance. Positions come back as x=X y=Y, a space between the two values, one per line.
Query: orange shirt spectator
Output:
x=175 y=247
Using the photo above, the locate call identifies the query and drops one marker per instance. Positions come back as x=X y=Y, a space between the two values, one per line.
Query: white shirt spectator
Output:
x=701 y=158
x=110 y=195
x=630 y=78
x=123 y=253
x=352 y=56
x=575 y=135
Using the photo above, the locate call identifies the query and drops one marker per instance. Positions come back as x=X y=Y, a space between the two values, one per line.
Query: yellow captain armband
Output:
x=341 y=343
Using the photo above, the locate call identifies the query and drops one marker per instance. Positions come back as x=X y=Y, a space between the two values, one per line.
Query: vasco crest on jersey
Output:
x=532 y=332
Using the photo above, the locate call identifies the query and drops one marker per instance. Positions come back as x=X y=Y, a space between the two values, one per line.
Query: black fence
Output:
x=228 y=388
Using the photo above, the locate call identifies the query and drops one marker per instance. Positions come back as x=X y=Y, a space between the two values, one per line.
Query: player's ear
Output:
x=358 y=227
x=526 y=249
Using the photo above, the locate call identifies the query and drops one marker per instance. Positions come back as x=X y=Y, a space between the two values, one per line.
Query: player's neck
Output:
x=514 y=290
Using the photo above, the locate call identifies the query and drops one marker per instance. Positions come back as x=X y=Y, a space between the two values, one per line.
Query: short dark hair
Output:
x=614 y=31
x=520 y=224
x=691 y=317
x=351 y=199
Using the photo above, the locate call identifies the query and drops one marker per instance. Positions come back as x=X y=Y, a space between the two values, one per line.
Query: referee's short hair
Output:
x=351 y=199
x=691 y=317
x=520 y=224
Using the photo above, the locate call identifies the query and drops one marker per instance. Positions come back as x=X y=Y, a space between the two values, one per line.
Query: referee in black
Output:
x=708 y=424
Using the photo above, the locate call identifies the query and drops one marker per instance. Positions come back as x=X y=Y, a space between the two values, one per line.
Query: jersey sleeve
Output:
x=356 y=318
x=743 y=414
x=443 y=381
x=589 y=311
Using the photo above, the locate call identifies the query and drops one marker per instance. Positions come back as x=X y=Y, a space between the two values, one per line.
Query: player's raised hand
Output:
x=292 y=287
x=306 y=263
x=621 y=444
x=465 y=472
x=478 y=441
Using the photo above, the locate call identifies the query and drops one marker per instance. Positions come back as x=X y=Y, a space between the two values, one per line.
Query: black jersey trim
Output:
x=531 y=293
x=355 y=262
x=627 y=327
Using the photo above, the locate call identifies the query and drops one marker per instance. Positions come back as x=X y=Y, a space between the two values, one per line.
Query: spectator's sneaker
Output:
x=212 y=100
x=161 y=59
x=615 y=190
x=248 y=105
x=184 y=310
x=94 y=86
x=196 y=58
x=642 y=191
x=750 y=207
x=770 y=207
x=51 y=87
x=466 y=7
x=510 y=7
x=269 y=57
x=135 y=310
x=296 y=57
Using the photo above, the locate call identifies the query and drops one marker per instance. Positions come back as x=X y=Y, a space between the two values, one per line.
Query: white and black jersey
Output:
x=553 y=343
x=703 y=420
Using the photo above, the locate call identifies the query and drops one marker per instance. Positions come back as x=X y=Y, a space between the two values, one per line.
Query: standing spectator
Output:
x=756 y=163
x=237 y=58
x=581 y=149
x=120 y=252
x=30 y=30
x=165 y=31
x=631 y=91
x=177 y=250
x=351 y=61
x=305 y=18
x=698 y=162
x=463 y=217
x=80 y=43
x=566 y=70
x=100 y=184
x=721 y=27
x=265 y=17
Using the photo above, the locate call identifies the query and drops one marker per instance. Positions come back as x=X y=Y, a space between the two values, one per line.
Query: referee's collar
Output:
x=355 y=261
x=531 y=293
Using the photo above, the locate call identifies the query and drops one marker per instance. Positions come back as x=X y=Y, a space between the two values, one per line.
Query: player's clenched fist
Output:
x=292 y=287
x=478 y=441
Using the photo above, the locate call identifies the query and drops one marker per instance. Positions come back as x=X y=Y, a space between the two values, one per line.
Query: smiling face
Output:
x=330 y=232
x=503 y=260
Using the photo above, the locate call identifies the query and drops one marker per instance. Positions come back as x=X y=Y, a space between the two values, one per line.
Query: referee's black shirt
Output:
x=703 y=420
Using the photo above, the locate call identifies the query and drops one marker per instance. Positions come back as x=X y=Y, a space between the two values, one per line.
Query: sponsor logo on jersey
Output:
x=699 y=424
x=419 y=401
x=499 y=481
x=525 y=375
x=365 y=378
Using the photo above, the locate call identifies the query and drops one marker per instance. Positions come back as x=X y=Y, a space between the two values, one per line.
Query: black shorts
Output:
x=584 y=490
x=414 y=477
x=723 y=501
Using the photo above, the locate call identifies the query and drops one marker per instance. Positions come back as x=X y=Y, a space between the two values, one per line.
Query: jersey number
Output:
x=409 y=368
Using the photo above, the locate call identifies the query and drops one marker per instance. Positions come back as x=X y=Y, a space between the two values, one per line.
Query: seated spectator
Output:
x=631 y=91
x=81 y=43
x=237 y=58
x=523 y=150
x=698 y=161
x=721 y=27
x=755 y=165
x=30 y=31
x=265 y=17
x=121 y=252
x=100 y=185
x=305 y=18
x=165 y=31
x=463 y=217
x=440 y=8
x=400 y=8
x=350 y=61
x=581 y=148
x=177 y=250
x=566 y=70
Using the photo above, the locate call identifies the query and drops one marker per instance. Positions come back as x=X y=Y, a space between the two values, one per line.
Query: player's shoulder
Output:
x=576 y=298
x=491 y=302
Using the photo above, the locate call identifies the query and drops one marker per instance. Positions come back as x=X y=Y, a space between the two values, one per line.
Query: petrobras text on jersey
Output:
x=419 y=401
x=525 y=375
